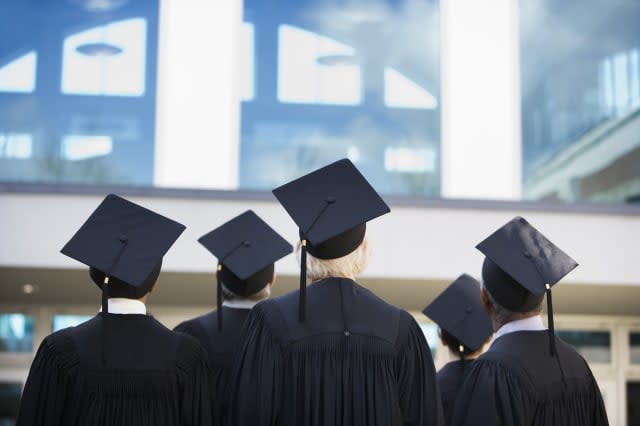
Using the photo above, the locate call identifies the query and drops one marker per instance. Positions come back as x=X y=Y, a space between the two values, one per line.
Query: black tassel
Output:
x=105 y=312
x=302 y=303
x=552 y=340
x=219 y=297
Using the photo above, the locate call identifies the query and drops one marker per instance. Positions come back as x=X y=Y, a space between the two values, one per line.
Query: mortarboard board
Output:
x=521 y=265
x=246 y=248
x=123 y=240
x=459 y=311
x=331 y=207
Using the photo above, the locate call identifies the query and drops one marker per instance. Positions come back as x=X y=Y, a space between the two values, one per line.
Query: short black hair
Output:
x=119 y=288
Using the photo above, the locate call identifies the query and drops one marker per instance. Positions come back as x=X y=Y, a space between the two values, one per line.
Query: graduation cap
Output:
x=246 y=248
x=521 y=265
x=459 y=311
x=331 y=207
x=124 y=241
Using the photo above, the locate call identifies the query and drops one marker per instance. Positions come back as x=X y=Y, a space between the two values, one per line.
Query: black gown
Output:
x=356 y=360
x=449 y=381
x=220 y=347
x=153 y=376
x=517 y=382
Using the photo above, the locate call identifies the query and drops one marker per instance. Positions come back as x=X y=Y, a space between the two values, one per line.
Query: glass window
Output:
x=77 y=95
x=9 y=402
x=431 y=334
x=634 y=347
x=580 y=100
x=58 y=322
x=329 y=84
x=16 y=332
x=594 y=346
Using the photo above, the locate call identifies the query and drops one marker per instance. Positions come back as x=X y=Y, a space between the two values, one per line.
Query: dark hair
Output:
x=453 y=344
x=119 y=288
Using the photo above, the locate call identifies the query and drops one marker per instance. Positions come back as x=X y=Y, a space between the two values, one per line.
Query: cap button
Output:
x=331 y=199
x=526 y=254
x=347 y=333
x=246 y=243
x=123 y=238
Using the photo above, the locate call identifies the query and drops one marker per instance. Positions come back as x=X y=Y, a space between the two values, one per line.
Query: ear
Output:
x=153 y=287
x=273 y=280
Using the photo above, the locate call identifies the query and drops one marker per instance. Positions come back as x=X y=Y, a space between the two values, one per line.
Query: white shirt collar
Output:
x=120 y=305
x=240 y=303
x=533 y=323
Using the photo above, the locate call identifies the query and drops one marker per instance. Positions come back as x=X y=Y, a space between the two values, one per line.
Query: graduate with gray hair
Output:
x=528 y=376
x=333 y=353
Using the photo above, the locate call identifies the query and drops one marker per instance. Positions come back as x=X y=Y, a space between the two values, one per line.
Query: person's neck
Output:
x=239 y=303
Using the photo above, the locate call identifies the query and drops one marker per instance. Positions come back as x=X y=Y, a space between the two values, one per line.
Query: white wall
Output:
x=410 y=242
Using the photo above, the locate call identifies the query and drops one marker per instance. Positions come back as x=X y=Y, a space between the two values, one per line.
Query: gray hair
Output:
x=349 y=266
x=263 y=294
x=501 y=315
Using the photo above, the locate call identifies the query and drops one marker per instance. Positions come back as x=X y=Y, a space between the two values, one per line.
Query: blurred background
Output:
x=462 y=114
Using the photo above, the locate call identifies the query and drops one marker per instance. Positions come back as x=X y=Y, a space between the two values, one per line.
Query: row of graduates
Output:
x=331 y=353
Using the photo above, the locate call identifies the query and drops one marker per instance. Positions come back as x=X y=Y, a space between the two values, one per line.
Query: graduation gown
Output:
x=356 y=360
x=220 y=347
x=450 y=378
x=153 y=376
x=517 y=382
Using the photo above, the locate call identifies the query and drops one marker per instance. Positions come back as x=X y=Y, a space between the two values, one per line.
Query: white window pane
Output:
x=16 y=145
x=409 y=160
x=120 y=72
x=19 y=75
x=82 y=147
x=401 y=92
x=316 y=69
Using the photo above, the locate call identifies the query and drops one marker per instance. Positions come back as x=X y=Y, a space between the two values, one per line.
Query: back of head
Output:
x=349 y=266
x=248 y=288
x=119 y=288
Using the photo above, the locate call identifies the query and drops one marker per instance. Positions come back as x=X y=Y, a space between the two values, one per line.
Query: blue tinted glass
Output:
x=330 y=82
x=9 y=402
x=59 y=322
x=77 y=91
x=430 y=332
x=634 y=347
x=580 y=85
x=594 y=346
x=16 y=333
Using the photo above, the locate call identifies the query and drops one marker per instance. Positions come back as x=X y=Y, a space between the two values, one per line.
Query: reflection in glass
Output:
x=594 y=346
x=580 y=100
x=16 y=332
x=81 y=147
x=16 y=145
x=430 y=332
x=106 y=60
x=634 y=347
x=316 y=69
x=357 y=80
x=9 y=403
x=19 y=75
x=58 y=322
x=77 y=96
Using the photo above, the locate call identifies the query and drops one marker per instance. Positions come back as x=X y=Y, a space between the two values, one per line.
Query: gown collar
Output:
x=240 y=303
x=121 y=305
x=533 y=323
